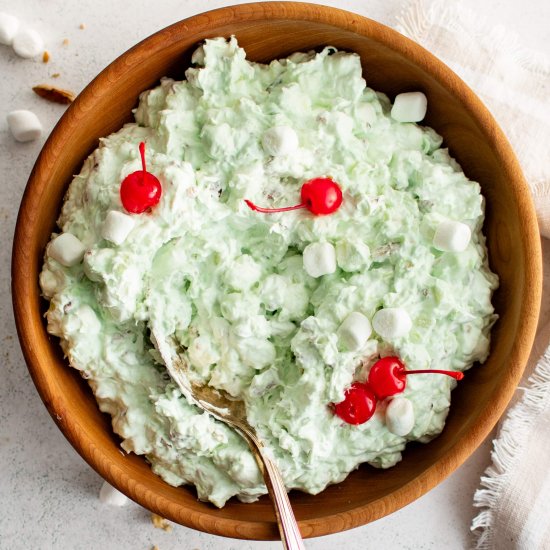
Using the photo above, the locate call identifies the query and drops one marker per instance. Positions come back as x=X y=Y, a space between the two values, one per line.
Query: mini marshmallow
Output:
x=24 y=125
x=400 y=416
x=198 y=56
x=66 y=249
x=409 y=107
x=392 y=322
x=27 y=43
x=354 y=331
x=109 y=495
x=366 y=113
x=9 y=25
x=88 y=319
x=451 y=236
x=280 y=141
x=319 y=259
x=117 y=226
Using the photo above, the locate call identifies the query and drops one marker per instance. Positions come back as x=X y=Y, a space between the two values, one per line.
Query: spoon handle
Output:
x=286 y=521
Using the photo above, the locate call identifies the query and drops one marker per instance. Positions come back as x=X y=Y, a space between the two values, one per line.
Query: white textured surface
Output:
x=49 y=494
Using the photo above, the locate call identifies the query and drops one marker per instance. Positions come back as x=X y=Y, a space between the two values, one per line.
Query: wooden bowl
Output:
x=392 y=64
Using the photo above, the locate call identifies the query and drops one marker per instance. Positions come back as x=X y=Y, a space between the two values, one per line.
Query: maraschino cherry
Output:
x=321 y=196
x=388 y=376
x=358 y=405
x=140 y=190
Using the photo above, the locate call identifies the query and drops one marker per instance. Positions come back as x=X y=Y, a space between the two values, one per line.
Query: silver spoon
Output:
x=233 y=413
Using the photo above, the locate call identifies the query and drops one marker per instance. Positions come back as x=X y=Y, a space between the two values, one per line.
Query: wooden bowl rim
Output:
x=461 y=450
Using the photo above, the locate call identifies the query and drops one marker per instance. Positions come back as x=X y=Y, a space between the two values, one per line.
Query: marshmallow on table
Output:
x=280 y=141
x=409 y=107
x=9 y=25
x=354 y=331
x=66 y=249
x=392 y=322
x=27 y=43
x=451 y=236
x=24 y=125
x=319 y=259
x=117 y=227
x=400 y=416
x=109 y=495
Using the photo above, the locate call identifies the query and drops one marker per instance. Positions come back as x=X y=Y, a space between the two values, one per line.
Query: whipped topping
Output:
x=260 y=305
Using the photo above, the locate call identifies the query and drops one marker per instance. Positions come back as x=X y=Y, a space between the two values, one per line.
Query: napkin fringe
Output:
x=507 y=451
x=417 y=18
x=420 y=16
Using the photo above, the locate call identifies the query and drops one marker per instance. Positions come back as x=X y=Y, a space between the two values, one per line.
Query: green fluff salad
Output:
x=285 y=310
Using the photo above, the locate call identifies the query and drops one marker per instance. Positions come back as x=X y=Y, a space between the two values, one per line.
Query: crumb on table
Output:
x=82 y=26
x=45 y=56
x=160 y=523
x=65 y=42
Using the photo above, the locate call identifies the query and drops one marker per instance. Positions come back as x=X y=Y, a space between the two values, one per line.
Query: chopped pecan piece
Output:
x=51 y=93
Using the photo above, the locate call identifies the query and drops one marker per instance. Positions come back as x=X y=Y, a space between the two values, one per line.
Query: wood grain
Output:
x=391 y=64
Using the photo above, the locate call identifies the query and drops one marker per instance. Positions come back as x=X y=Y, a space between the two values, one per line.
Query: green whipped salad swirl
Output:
x=229 y=283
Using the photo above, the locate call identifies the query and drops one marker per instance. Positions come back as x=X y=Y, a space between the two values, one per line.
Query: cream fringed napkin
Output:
x=514 y=83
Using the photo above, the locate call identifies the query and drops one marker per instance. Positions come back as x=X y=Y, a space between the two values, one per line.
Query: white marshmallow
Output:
x=280 y=141
x=24 y=125
x=409 y=107
x=354 y=331
x=109 y=495
x=400 y=416
x=366 y=113
x=198 y=56
x=66 y=249
x=27 y=43
x=451 y=236
x=88 y=319
x=343 y=124
x=9 y=25
x=392 y=322
x=48 y=283
x=319 y=259
x=117 y=226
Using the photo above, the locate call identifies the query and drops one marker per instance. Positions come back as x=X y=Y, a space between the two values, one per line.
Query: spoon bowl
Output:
x=233 y=412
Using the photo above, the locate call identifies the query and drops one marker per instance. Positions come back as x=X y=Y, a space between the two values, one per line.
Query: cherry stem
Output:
x=252 y=206
x=452 y=374
x=142 y=154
